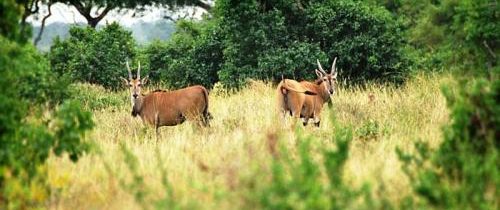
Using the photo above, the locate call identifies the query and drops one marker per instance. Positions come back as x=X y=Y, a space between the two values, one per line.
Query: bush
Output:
x=192 y=57
x=96 y=57
x=290 y=62
x=452 y=34
x=34 y=82
x=263 y=40
x=309 y=177
x=463 y=173
x=367 y=40
x=25 y=143
x=93 y=97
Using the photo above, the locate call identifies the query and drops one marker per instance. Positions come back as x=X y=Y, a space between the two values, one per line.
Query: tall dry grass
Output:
x=216 y=168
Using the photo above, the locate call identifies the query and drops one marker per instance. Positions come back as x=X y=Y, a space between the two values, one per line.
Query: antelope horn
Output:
x=320 y=68
x=129 y=72
x=334 y=69
x=139 y=70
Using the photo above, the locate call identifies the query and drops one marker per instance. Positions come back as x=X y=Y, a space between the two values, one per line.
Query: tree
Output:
x=266 y=40
x=97 y=57
x=103 y=7
x=451 y=34
x=259 y=36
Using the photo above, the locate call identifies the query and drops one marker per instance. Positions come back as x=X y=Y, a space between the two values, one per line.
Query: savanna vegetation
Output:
x=414 y=123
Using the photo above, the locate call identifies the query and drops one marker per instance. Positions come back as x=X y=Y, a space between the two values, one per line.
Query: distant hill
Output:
x=143 y=32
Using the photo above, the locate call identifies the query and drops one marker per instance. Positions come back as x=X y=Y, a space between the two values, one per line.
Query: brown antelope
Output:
x=167 y=108
x=305 y=99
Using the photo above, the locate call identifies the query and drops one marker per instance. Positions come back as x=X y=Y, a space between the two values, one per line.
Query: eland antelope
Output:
x=306 y=99
x=167 y=108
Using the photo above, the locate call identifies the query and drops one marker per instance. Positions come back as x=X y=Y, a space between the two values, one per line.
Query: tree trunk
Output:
x=39 y=36
x=30 y=7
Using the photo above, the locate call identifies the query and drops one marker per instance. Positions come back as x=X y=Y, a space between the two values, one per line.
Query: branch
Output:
x=81 y=9
x=86 y=10
x=39 y=36
x=489 y=49
x=28 y=10
x=168 y=17
x=104 y=13
x=203 y=5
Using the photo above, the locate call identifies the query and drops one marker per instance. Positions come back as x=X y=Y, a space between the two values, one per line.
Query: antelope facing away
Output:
x=167 y=108
x=306 y=99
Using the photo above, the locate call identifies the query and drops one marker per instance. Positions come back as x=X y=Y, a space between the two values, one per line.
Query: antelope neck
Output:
x=322 y=92
x=137 y=105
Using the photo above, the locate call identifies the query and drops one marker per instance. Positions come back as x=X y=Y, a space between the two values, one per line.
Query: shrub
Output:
x=451 y=34
x=93 y=97
x=290 y=62
x=96 y=57
x=34 y=82
x=311 y=179
x=371 y=130
x=367 y=40
x=264 y=40
x=26 y=143
x=463 y=172
x=192 y=57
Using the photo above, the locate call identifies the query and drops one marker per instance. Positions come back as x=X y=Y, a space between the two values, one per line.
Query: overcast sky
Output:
x=68 y=14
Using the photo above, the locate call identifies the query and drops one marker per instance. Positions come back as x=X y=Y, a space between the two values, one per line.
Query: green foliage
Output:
x=96 y=57
x=307 y=183
x=289 y=62
x=93 y=97
x=27 y=139
x=10 y=13
x=262 y=38
x=85 y=8
x=33 y=81
x=463 y=172
x=193 y=56
x=371 y=130
x=450 y=33
x=367 y=40
x=265 y=40
x=139 y=189
x=25 y=144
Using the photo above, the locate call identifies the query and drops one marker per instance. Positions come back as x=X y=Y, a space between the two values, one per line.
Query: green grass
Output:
x=218 y=167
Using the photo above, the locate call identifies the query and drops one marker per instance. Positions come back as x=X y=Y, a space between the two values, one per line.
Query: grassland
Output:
x=210 y=168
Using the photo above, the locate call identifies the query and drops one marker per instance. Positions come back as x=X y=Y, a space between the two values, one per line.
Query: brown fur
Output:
x=301 y=99
x=169 y=108
x=306 y=99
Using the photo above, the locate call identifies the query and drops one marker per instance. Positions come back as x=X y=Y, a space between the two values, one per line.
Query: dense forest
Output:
x=431 y=67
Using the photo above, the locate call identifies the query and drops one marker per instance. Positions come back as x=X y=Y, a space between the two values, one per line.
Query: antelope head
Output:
x=327 y=80
x=134 y=84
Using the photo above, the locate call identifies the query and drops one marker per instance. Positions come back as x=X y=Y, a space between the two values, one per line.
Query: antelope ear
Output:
x=145 y=80
x=319 y=73
x=125 y=81
x=335 y=75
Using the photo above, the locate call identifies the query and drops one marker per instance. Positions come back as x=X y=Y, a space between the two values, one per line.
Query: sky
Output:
x=68 y=14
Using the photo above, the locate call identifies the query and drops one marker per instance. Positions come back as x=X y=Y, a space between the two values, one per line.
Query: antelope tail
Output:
x=206 y=115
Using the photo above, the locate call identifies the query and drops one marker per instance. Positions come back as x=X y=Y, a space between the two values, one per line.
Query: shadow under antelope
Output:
x=167 y=108
x=306 y=99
